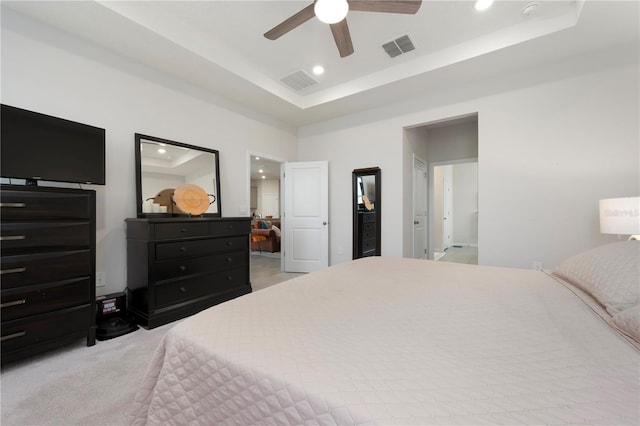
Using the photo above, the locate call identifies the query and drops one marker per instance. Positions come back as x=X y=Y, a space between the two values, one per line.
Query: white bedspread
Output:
x=396 y=341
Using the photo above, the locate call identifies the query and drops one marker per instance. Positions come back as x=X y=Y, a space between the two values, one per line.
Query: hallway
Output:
x=466 y=254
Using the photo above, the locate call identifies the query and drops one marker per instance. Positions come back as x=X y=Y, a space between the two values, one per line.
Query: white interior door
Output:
x=420 y=213
x=447 y=207
x=305 y=217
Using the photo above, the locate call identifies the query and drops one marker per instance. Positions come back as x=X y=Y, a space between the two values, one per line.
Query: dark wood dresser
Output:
x=367 y=241
x=48 y=238
x=179 y=266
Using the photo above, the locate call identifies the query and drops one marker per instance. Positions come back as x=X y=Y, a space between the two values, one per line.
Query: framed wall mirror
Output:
x=171 y=175
x=366 y=212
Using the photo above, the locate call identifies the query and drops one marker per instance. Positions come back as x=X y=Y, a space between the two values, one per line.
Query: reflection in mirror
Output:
x=367 y=188
x=162 y=166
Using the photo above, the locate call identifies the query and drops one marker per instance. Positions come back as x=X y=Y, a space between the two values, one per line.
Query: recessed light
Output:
x=260 y=171
x=318 y=70
x=264 y=177
x=162 y=150
x=483 y=4
x=257 y=158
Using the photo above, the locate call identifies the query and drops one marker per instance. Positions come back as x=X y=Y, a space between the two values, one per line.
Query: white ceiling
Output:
x=219 y=46
x=261 y=166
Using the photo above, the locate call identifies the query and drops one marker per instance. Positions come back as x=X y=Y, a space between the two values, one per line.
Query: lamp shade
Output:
x=620 y=216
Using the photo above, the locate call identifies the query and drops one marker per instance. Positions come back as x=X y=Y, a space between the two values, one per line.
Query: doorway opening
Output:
x=266 y=228
x=444 y=173
x=455 y=211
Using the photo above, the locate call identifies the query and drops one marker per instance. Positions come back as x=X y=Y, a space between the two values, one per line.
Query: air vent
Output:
x=398 y=46
x=392 y=49
x=298 y=80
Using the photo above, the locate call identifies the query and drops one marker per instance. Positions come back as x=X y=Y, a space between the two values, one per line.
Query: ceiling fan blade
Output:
x=342 y=37
x=386 y=6
x=289 y=24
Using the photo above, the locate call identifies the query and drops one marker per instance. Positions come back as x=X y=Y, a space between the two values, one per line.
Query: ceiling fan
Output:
x=334 y=12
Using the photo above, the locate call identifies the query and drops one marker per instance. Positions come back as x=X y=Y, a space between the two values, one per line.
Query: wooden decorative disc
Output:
x=191 y=199
x=367 y=203
x=165 y=198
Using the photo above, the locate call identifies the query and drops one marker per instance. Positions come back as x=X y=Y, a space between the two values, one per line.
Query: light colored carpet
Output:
x=80 y=385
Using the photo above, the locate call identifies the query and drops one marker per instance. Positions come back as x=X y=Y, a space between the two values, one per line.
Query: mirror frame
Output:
x=375 y=172
x=138 y=159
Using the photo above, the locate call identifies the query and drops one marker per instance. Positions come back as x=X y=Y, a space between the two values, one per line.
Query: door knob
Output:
x=324 y=223
x=415 y=222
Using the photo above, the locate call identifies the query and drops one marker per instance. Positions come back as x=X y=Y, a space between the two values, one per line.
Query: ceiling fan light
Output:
x=331 y=11
x=483 y=4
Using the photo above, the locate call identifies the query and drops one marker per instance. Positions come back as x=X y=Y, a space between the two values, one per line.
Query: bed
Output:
x=402 y=341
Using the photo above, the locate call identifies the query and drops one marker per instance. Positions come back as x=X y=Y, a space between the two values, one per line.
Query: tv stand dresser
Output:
x=177 y=266
x=48 y=238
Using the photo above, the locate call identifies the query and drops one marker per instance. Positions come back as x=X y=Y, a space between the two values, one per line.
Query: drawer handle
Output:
x=228 y=260
x=183 y=268
x=13 y=237
x=12 y=271
x=183 y=230
x=183 y=249
x=14 y=205
x=230 y=227
x=229 y=243
x=183 y=290
x=14 y=303
x=13 y=336
x=229 y=277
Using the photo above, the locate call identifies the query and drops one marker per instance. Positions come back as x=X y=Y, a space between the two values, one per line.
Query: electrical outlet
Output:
x=537 y=265
x=101 y=279
x=340 y=250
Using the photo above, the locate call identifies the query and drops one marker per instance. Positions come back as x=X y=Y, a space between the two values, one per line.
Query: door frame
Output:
x=250 y=154
x=431 y=201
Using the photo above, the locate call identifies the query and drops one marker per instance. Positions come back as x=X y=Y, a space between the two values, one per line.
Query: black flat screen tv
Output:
x=36 y=146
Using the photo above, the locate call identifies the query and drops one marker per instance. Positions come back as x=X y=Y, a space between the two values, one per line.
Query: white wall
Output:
x=267 y=186
x=47 y=71
x=446 y=144
x=552 y=142
x=465 y=204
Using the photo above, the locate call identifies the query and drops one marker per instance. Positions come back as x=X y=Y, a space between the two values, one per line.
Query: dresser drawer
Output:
x=171 y=231
x=44 y=236
x=191 y=266
x=44 y=328
x=35 y=205
x=181 y=290
x=37 y=299
x=180 y=249
x=231 y=227
x=368 y=217
x=368 y=245
x=368 y=231
x=29 y=269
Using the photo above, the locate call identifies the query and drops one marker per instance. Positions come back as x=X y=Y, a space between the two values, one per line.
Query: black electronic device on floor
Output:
x=112 y=319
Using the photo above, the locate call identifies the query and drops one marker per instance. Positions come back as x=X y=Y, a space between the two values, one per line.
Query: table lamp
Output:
x=620 y=216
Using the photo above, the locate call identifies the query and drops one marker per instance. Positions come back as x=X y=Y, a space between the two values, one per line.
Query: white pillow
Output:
x=610 y=273
x=276 y=230
x=628 y=321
